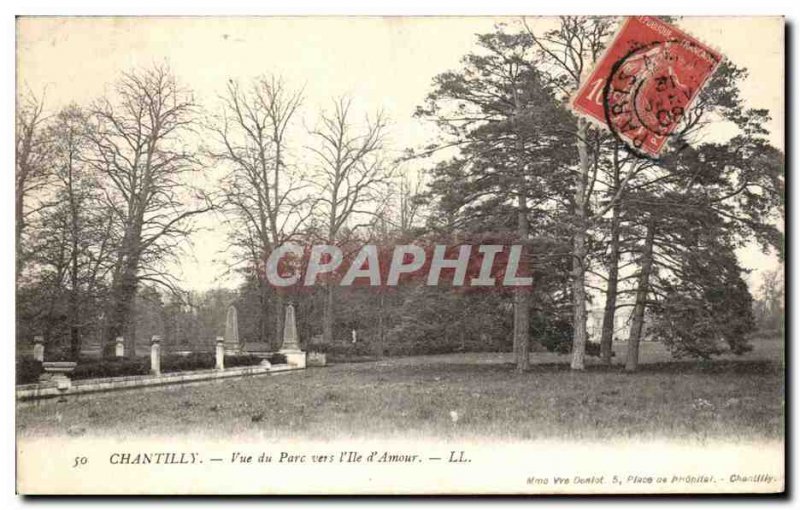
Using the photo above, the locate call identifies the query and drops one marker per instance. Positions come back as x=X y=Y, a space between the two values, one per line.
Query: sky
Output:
x=384 y=63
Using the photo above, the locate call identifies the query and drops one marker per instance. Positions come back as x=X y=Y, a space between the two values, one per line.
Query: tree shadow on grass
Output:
x=740 y=367
x=736 y=367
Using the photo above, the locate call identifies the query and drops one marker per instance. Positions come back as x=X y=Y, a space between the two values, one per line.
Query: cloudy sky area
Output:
x=385 y=63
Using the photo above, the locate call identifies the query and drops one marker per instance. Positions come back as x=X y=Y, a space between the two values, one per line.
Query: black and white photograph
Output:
x=409 y=255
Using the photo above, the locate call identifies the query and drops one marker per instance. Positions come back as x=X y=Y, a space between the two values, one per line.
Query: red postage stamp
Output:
x=647 y=79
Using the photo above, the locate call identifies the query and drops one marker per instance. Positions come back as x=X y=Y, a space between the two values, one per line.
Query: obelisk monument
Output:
x=290 y=340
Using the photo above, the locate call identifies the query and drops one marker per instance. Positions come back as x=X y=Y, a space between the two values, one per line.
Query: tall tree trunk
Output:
x=122 y=294
x=129 y=337
x=609 y=314
x=263 y=336
x=521 y=296
x=381 y=305
x=637 y=321
x=123 y=291
x=280 y=312
x=579 y=253
x=327 y=315
x=74 y=312
x=74 y=330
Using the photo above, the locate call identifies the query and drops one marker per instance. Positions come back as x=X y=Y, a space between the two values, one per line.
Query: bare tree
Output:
x=140 y=142
x=409 y=203
x=73 y=235
x=261 y=188
x=352 y=175
x=32 y=167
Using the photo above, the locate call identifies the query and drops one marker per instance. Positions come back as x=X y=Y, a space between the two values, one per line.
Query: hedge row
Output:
x=343 y=350
x=29 y=370
x=206 y=360
x=95 y=369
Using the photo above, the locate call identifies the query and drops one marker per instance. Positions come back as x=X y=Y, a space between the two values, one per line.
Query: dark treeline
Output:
x=107 y=195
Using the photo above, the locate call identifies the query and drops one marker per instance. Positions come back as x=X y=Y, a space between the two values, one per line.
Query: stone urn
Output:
x=57 y=371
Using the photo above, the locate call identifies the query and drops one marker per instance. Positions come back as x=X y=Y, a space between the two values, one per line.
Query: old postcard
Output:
x=400 y=255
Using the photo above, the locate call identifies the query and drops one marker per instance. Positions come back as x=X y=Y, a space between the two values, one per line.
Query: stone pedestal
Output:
x=119 y=347
x=63 y=382
x=220 y=353
x=38 y=348
x=295 y=359
x=155 y=355
x=58 y=372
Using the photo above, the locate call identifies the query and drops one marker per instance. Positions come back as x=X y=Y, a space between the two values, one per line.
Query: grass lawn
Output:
x=415 y=397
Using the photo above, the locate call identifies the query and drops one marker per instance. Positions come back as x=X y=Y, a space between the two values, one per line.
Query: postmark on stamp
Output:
x=644 y=84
